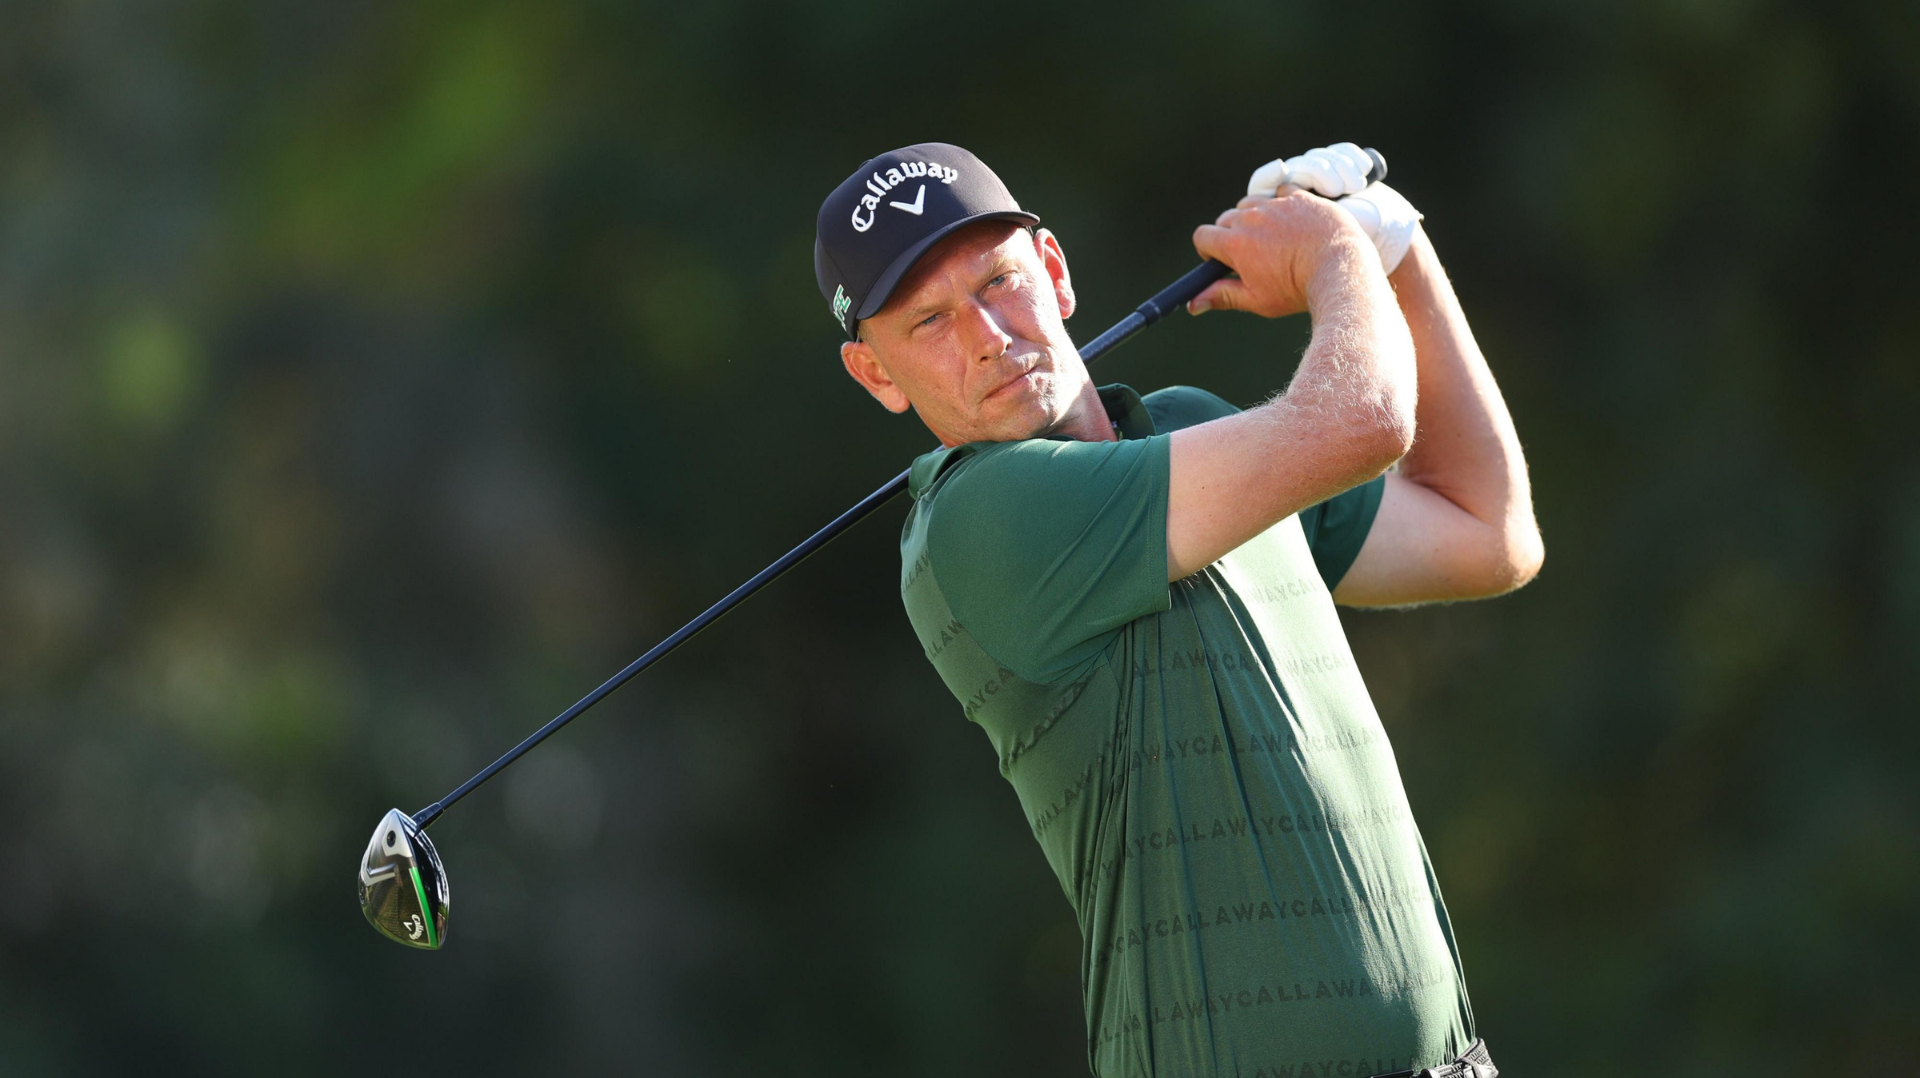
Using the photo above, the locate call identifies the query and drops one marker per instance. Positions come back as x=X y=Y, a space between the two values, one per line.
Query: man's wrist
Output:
x=1419 y=262
x=1420 y=284
x=1342 y=271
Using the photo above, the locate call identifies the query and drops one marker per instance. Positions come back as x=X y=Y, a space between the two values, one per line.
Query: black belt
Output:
x=1473 y=1063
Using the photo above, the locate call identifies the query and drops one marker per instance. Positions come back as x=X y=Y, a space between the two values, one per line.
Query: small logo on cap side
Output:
x=894 y=177
x=841 y=301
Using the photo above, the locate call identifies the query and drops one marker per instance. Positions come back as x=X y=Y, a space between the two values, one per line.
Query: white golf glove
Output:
x=1339 y=172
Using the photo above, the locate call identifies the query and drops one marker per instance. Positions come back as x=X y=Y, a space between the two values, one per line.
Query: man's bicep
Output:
x=1422 y=548
x=1233 y=478
x=1337 y=528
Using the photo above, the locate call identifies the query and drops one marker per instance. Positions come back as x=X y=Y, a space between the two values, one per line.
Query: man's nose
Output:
x=986 y=337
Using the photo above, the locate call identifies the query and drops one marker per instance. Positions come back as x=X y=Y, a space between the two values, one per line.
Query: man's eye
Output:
x=998 y=281
x=927 y=321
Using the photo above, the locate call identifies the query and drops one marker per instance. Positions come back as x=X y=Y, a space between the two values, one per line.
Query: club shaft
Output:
x=680 y=636
x=1167 y=299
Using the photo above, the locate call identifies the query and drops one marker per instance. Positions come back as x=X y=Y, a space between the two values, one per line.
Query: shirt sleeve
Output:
x=1045 y=549
x=1336 y=528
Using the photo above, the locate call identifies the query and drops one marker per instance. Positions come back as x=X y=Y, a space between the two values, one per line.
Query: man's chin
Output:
x=1016 y=416
x=1034 y=417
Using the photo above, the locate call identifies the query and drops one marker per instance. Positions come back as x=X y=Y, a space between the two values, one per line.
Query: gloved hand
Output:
x=1330 y=171
x=1339 y=172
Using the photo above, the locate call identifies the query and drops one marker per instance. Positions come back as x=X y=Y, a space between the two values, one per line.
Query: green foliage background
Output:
x=376 y=378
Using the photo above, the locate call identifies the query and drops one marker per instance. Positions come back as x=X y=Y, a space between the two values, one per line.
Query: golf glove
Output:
x=1339 y=172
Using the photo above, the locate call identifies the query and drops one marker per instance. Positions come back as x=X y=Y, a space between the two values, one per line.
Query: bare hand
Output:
x=1277 y=246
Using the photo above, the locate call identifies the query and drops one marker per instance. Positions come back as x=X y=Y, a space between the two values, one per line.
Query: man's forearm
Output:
x=1347 y=415
x=1359 y=366
x=1349 y=411
x=1465 y=447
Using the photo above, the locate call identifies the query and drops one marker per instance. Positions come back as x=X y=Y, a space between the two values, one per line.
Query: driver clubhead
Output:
x=403 y=889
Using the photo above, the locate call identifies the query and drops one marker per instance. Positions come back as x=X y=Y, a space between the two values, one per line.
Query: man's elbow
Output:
x=1491 y=568
x=1518 y=560
x=1382 y=433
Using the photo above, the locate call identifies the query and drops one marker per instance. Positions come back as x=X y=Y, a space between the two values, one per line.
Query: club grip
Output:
x=1175 y=296
x=1379 y=170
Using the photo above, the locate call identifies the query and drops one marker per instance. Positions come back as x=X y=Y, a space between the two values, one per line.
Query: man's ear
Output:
x=1055 y=260
x=861 y=362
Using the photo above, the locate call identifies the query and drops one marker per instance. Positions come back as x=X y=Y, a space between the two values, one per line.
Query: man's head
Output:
x=955 y=302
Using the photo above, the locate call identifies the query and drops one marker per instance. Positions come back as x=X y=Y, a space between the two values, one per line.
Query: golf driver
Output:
x=403 y=888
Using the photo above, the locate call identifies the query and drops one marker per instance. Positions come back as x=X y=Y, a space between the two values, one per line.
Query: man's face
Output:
x=974 y=339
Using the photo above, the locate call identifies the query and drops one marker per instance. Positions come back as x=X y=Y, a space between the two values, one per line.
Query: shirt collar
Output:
x=1127 y=410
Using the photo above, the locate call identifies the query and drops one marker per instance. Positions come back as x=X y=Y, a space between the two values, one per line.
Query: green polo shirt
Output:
x=1199 y=760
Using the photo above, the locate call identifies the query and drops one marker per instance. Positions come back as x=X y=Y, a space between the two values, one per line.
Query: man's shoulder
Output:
x=1006 y=494
x=950 y=470
x=1176 y=407
x=999 y=485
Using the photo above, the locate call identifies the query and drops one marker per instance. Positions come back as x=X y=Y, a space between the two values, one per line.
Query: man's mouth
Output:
x=1023 y=379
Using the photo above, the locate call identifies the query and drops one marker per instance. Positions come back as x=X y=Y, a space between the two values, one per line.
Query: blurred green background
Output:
x=375 y=379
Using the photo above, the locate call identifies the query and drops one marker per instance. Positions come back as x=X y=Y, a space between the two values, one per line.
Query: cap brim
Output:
x=883 y=287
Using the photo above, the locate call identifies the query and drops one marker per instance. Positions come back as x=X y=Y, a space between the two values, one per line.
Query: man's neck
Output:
x=1087 y=420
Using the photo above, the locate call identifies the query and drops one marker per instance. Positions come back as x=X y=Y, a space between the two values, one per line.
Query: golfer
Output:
x=1134 y=598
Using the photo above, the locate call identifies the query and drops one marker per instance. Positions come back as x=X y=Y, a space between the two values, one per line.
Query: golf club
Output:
x=403 y=886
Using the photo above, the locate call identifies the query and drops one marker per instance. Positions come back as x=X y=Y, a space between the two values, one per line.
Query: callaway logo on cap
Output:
x=881 y=219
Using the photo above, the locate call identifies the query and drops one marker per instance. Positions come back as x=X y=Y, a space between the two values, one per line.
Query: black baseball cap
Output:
x=880 y=220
